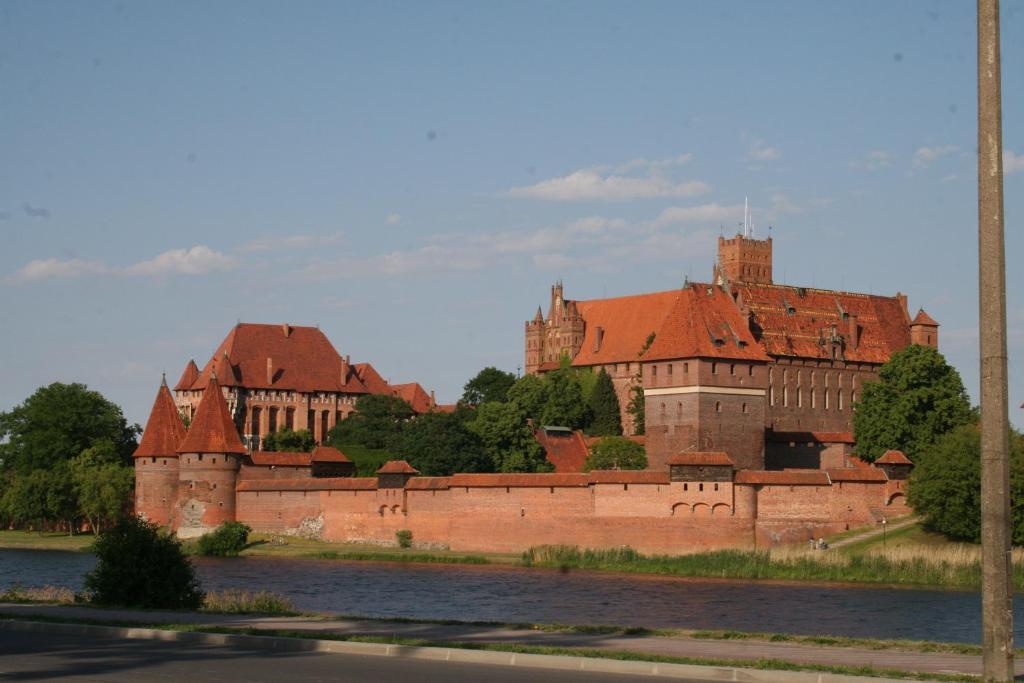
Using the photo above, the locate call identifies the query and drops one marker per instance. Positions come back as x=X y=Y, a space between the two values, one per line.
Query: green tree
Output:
x=616 y=453
x=606 y=418
x=288 y=440
x=139 y=566
x=565 y=406
x=377 y=421
x=917 y=398
x=440 y=444
x=530 y=394
x=945 y=487
x=490 y=385
x=637 y=407
x=508 y=438
x=61 y=499
x=102 y=485
x=25 y=499
x=58 y=422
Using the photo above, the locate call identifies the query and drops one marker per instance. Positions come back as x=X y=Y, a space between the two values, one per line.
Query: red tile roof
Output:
x=328 y=454
x=628 y=477
x=497 y=480
x=188 y=377
x=280 y=458
x=705 y=322
x=718 y=459
x=807 y=437
x=415 y=395
x=300 y=359
x=893 y=458
x=923 y=318
x=313 y=484
x=212 y=430
x=164 y=428
x=856 y=474
x=626 y=321
x=427 y=484
x=794 y=321
x=565 y=449
x=783 y=478
x=372 y=380
x=397 y=467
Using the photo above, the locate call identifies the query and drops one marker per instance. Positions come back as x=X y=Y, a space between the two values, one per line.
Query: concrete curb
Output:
x=555 y=662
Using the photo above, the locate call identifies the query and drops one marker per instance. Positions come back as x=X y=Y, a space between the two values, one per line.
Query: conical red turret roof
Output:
x=212 y=429
x=923 y=318
x=164 y=428
x=188 y=377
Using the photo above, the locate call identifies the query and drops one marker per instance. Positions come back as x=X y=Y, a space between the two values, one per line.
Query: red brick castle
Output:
x=767 y=373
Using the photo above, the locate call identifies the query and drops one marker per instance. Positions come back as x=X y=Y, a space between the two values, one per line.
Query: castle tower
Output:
x=534 y=342
x=209 y=460
x=744 y=259
x=924 y=330
x=156 y=461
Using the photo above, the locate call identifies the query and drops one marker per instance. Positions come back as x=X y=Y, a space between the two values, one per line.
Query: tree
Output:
x=58 y=422
x=102 y=485
x=530 y=394
x=606 y=419
x=565 y=406
x=637 y=407
x=139 y=566
x=508 y=439
x=917 y=398
x=490 y=385
x=378 y=419
x=294 y=441
x=616 y=453
x=25 y=498
x=945 y=487
x=440 y=444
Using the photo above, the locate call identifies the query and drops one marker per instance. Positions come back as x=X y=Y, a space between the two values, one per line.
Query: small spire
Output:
x=163 y=379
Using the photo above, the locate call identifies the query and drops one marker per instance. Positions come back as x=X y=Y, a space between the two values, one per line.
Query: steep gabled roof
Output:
x=857 y=474
x=397 y=467
x=625 y=323
x=794 y=321
x=923 y=318
x=188 y=377
x=328 y=454
x=704 y=322
x=212 y=429
x=164 y=428
x=893 y=458
x=301 y=359
x=415 y=395
x=372 y=380
x=566 y=449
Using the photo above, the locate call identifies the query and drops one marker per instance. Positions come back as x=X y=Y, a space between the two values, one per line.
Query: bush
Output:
x=140 y=566
x=616 y=453
x=404 y=538
x=227 y=540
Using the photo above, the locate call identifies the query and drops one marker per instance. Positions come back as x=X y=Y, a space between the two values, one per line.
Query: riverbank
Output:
x=842 y=656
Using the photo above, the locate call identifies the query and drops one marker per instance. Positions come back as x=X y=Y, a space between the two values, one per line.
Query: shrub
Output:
x=227 y=540
x=404 y=538
x=616 y=453
x=140 y=566
x=245 y=602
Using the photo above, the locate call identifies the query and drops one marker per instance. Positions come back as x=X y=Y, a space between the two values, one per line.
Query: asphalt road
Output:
x=38 y=657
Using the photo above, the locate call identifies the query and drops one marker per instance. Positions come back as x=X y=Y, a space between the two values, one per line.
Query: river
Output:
x=510 y=594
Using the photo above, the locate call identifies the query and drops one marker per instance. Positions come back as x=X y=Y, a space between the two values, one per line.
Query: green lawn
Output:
x=45 y=541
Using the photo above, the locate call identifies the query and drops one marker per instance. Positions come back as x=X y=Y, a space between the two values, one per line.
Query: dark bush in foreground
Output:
x=140 y=566
x=227 y=540
x=404 y=538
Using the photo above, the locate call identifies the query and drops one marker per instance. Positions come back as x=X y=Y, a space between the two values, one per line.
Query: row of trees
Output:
x=65 y=456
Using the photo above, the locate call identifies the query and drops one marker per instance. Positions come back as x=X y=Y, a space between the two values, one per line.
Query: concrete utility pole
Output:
x=996 y=589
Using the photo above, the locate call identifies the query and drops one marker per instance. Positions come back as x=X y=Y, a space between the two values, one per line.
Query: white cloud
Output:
x=1012 y=162
x=394 y=219
x=696 y=215
x=616 y=183
x=761 y=151
x=51 y=268
x=876 y=159
x=197 y=260
x=654 y=166
x=924 y=156
x=273 y=243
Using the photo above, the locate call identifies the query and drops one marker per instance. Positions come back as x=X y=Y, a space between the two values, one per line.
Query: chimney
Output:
x=853 y=331
x=598 y=338
x=287 y=329
x=903 y=302
x=433 y=399
x=344 y=370
x=270 y=370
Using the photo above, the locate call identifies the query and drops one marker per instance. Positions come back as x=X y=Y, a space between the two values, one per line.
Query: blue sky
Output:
x=413 y=176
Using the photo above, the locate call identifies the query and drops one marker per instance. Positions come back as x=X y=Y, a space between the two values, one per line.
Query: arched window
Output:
x=714 y=368
x=826 y=400
x=785 y=396
x=799 y=397
x=718 y=406
x=744 y=407
x=813 y=398
x=732 y=369
x=839 y=399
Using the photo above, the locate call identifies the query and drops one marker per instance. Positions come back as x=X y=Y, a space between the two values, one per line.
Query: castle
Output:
x=748 y=390
x=765 y=372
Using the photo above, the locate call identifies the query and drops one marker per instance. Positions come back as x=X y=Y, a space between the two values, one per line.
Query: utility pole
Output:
x=996 y=589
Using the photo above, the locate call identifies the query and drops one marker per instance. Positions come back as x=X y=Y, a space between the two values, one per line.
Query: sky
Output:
x=413 y=176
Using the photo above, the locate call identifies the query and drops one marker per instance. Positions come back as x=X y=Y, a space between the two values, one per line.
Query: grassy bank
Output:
x=953 y=568
x=31 y=540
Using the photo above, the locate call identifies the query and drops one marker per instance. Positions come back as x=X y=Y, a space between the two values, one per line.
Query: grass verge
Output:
x=398 y=556
x=249 y=602
x=623 y=655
